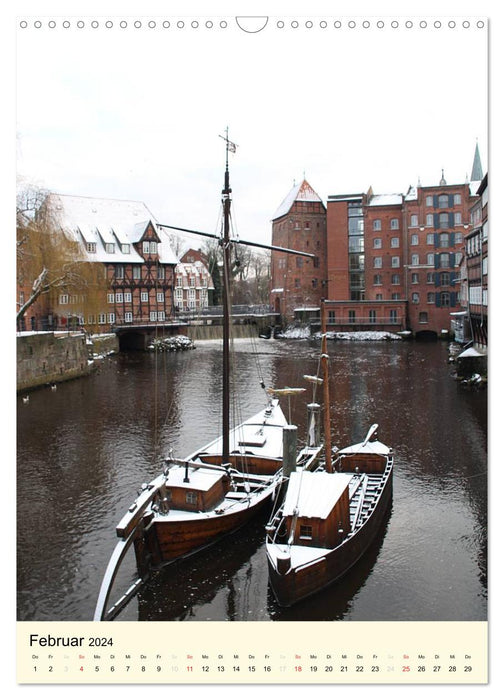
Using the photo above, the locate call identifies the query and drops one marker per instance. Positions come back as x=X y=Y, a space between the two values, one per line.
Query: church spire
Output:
x=477 y=171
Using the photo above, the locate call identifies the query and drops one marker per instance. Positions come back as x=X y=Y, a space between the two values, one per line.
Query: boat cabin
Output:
x=316 y=508
x=370 y=458
x=195 y=490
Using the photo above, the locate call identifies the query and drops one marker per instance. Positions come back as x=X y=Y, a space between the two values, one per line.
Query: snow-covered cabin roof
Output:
x=371 y=447
x=302 y=192
x=116 y=222
x=385 y=200
x=314 y=494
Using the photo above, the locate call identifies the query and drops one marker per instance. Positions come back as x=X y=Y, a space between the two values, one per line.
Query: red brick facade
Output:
x=297 y=282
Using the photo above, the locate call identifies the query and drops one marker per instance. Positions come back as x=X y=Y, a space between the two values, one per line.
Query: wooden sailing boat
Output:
x=329 y=517
x=217 y=489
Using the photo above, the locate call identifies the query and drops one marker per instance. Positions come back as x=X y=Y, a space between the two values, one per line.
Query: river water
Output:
x=86 y=448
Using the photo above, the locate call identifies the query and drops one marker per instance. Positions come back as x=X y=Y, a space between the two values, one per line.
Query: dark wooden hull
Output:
x=168 y=540
x=306 y=580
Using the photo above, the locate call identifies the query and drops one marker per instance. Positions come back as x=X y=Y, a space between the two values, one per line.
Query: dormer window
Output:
x=125 y=248
x=109 y=248
x=91 y=247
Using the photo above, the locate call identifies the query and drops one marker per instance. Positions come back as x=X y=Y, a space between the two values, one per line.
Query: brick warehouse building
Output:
x=392 y=261
x=298 y=283
x=138 y=263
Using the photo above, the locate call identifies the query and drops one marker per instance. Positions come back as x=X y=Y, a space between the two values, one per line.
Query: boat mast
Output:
x=226 y=206
x=325 y=375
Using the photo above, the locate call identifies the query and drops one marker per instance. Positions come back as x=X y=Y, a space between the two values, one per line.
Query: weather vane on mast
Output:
x=230 y=146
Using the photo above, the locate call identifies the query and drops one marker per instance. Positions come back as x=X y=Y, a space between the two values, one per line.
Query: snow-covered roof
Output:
x=260 y=435
x=302 y=192
x=375 y=447
x=382 y=200
x=116 y=222
x=314 y=494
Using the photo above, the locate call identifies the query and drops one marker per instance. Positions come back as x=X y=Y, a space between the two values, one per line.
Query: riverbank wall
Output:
x=49 y=358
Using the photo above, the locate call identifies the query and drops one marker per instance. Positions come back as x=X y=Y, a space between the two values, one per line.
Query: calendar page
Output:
x=252 y=296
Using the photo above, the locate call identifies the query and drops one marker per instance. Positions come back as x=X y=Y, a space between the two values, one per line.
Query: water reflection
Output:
x=84 y=450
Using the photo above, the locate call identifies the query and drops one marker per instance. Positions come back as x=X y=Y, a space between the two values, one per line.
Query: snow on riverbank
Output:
x=304 y=333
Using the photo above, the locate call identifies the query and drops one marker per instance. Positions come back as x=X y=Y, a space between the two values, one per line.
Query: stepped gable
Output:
x=302 y=192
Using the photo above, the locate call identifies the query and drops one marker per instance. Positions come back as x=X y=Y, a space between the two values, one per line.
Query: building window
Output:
x=128 y=317
x=415 y=278
x=109 y=247
x=153 y=316
x=161 y=316
x=430 y=278
x=160 y=297
x=127 y=297
x=458 y=258
x=377 y=242
x=413 y=220
x=394 y=224
x=377 y=225
x=119 y=297
x=125 y=248
x=137 y=272
x=444 y=299
x=444 y=260
x=394 y=242
x=429 y=220
x=111 y=317
x=415 y=259
x=423 y=317
x=307 y=225
x=429 y=201
x=431 y=297
x=192 y=294
x=444 y=220
x=444 y=240
x=102 y=318
x=297 y=282
x=372 y=316
x=414 y=239
x=415 y=298
x=161 y=273
x=393 y=315
x=110 y=297
x=443 y=201
x=444 y=279
x=145 y=247
x=457 y=199
x=395 y=296
x=458 y=218
x=395 y=261
x=377 y=262
x=299 y=262
x=91 y=247
x=430 y=258
x=458 y=237
x=377 y=279
x=119 y=272
x=379 y=297
x=430 y=239
x=179 y=294
x=395 y=279
x=63 y=298
x=351 y=316
x=144 y=296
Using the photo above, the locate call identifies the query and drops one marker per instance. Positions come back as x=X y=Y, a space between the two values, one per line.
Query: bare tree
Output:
x=48 y=262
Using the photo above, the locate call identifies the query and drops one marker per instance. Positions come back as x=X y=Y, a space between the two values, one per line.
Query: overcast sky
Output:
x=136 y=112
